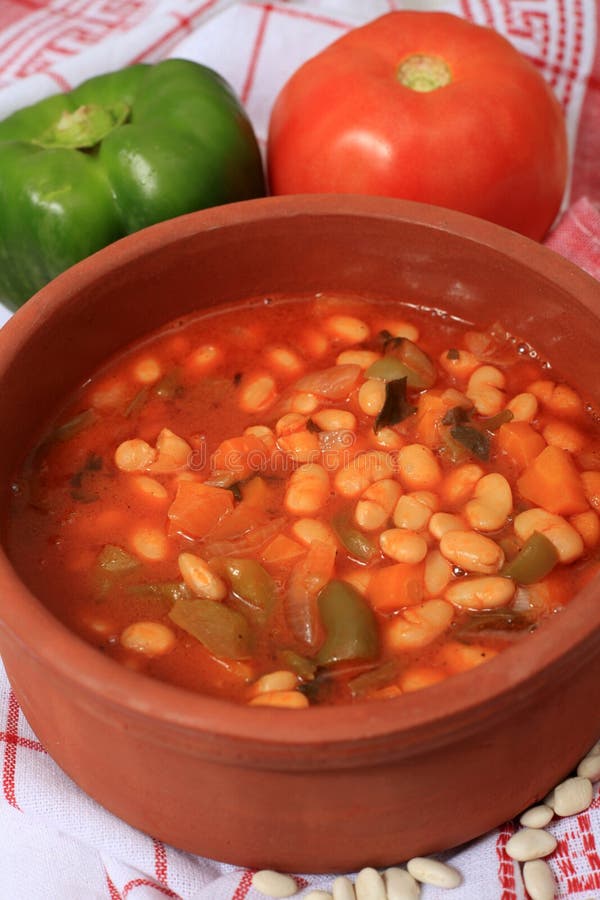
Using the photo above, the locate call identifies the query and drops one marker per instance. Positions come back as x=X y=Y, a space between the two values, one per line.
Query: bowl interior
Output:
x=370 y=246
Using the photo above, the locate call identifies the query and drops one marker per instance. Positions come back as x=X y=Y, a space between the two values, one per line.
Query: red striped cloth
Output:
x=57 y=844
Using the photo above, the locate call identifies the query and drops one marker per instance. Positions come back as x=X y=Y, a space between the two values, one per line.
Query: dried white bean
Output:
x=589 y=767
x=572 y=796
x=369 y=885
x=343 y=889
x=539 y=880
x=530 y=843
x=537 y=817
x=319 y=895
x=431 y=871
x=274 y=884
x=401 y=885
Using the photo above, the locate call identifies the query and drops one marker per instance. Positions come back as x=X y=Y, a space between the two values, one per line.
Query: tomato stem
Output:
x=423 y=73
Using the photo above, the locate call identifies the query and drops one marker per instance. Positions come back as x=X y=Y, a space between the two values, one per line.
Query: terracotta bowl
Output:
x=324 y=789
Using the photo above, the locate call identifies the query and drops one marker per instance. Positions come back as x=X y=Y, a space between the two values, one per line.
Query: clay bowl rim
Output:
x=436 y=715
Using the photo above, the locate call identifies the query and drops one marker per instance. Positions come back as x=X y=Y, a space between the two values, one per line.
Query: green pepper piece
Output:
x=171 y=591
x=250 y=582
x=302 y=666
x=534 y=561
x=388 y=368
x=114 y=559
x=356 y=543
x=500 y=619
x=136 y=403
x=420 y=371
x=349 y=623
x=169 y=385
x=69 y=429
x=223 y=631
x=111 y=563
x=124 y=150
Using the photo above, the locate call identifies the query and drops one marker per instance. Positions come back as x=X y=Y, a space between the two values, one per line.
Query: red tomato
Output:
x=428 y=107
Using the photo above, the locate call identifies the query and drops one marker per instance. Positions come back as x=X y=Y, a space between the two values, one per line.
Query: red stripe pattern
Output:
x=10 y=752
x=41 y=37
x=550 y=32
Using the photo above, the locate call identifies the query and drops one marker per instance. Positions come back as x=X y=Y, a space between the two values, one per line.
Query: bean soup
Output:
x=325 y=499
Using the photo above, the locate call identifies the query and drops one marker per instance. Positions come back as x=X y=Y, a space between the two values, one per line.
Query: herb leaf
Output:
x=493 y=423
x=475 y=441
x=396 y=407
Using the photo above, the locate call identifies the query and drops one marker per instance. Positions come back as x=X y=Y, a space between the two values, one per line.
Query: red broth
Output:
x=312 y=500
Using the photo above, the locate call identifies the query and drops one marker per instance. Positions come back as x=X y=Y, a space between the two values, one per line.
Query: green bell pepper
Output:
x=349 y=623
x=535 y=560
x=122 y=151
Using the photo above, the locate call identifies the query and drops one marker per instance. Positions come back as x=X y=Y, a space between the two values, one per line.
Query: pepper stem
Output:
x=423 y=73
x=85 y=126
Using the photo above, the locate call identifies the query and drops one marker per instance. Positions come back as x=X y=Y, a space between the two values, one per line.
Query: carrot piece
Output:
x=394 y=587
x=242 y=455
x=244 y=518
x=520 y=442
x=282 y=551
x=197 y=508
x=553 y=482
x=256 y=492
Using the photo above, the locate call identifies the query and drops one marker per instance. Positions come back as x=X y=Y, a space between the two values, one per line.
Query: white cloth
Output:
x=56 y=843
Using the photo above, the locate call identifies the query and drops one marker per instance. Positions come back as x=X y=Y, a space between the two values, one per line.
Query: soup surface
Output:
x=312 y=500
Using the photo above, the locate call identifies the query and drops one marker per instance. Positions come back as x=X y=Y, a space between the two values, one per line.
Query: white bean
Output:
x=486 y=390
x=530 y=843
x=537 y=817
x=401 y=885
x=148 y=638
x=369 y=885
x=431 y=871
x=572 y=796
x=274 y=884
x=319 y=895
x=150 y=543
x=348 y=329
x=539 y=880
x=134 y=455
x=147 y=370
x=491 y=504
x=278 y=680
x=200 y=578
x=343 y=889
x=589 y=767
x=567 y=541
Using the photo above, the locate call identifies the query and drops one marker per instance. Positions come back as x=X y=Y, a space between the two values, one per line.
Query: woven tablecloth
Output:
x=55 y=842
